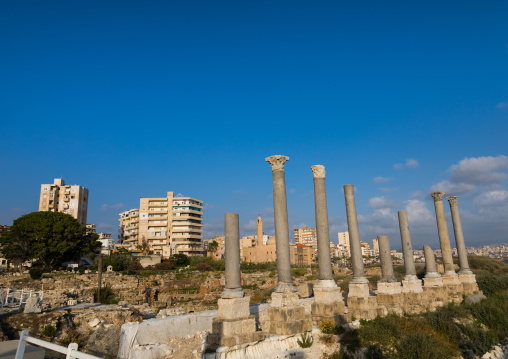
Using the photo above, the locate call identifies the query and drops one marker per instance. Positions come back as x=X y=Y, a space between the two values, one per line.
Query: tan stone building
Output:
x=171 y=225
x=306 y=236
x=344 y=242
x=59 y=197
x=375 y=246
x=221 y=248
x=129 y=229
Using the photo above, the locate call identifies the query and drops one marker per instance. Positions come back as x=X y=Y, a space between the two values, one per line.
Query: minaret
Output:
x=260 y=231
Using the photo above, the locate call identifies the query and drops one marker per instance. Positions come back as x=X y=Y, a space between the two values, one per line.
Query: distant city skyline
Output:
x=133 y=100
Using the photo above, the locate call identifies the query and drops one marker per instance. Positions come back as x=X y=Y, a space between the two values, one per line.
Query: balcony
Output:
x=186 y=230
x=157 y=204
x=66 y=199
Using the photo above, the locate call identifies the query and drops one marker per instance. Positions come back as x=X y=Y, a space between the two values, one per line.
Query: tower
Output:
x=259 y=223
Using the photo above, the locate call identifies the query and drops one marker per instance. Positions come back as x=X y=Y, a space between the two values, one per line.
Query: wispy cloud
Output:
x=381 y=202
x=105 y=226
x=502 y=105
x=388 y=190
x=106 y=207
x=380 y=179
x=410 y=163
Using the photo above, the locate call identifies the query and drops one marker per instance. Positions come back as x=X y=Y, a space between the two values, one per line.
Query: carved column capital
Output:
x=452 y=200
x=318 y=171
x=438 y=196
x=277 y=162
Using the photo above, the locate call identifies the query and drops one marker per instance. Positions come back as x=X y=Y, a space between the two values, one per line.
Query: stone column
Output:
x=233 y=287
x=354 y=236
x=459 y=236
x=386 y=260
x=430 y=263
x=407 y=248
x=322 y=228
x=444 y=239
x=280 y=212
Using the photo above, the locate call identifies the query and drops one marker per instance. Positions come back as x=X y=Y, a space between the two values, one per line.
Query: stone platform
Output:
x=328 y=304
x=361 y=305
x=286 y=316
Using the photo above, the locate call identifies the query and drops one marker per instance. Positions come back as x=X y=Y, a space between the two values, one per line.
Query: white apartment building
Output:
x=59 y=197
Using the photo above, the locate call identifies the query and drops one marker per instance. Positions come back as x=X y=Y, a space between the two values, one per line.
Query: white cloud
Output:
x=502 y=105
x=382 y=179
x=381 y=202
x=492 y=198
x=480 y=170
x=412 y=163
x=450 y=187
x=292 y=190
x=417 y=195
x=117 y=206
x=418 y=214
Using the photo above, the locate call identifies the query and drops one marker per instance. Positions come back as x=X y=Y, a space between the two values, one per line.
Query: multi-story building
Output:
x=91 y=228
x=344 y=242
x=59 y=197
x=107 y=243
x=129 y=228
x=306 y=236
x=219 y=252
x=365 y=249
x=375 y=247
x=171 y=225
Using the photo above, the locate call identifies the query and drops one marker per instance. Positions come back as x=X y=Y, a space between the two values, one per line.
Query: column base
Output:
x=434 y=294
x=469 y=285
x=358 y=290
x=328 y=304
x=453 y=288
x=390 y=296
x=282 y=287
x=286 y=316
x=234 y=324
x=412 y=286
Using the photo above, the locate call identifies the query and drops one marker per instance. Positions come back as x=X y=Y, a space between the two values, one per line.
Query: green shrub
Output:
x=298 y=272
x=107 y=295
x=35 y=273
x=135 y=266
x=492 y=283
x=328 y=326
x=165 y=265
x=417 y=345
x=218 y=265
x=49 y=331
x=180 y=260
x=119 y=262
x=305 y=340
x=204 y=267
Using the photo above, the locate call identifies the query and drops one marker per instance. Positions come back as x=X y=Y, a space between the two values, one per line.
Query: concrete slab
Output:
x=9 y=347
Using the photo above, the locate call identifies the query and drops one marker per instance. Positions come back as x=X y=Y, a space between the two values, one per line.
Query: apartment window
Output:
x=45 y=188
x=51 y=195
x=44 y=196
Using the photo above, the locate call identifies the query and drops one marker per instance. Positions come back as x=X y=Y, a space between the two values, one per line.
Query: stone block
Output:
x=412 y=286
x=363 y=307
x=286 y=314
x=329 y=310
x=33 y=305
x=358 y=290
x=327 y=295
x=285 y=299
x=233 y=327
x=305 y=290
x=389 y=288
x=233 y=308
x=433 y=282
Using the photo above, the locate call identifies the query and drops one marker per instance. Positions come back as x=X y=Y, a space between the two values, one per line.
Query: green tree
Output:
x=180 y=260
x=15 y=247
x=214 y=246
x=143 y=247
x=51 y=237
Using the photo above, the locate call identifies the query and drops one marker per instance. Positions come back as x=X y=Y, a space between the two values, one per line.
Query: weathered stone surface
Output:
x=285 y=299
x=412 y=286
x=305 y=290
x=33 y=305
x=476 y=298
x=233 y=308
x=363 y=307
x=104 y=342
x=358 y=290
x=388 y=288
x=232 y=327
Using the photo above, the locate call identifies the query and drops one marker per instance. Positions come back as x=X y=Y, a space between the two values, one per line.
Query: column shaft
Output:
x=444 y=239
x=386 y=259
x=459 y=236
x=407 y=248
x=233 y=287
x=322 y=228
x=280 y=212
x=354 y=236
x=430 y=262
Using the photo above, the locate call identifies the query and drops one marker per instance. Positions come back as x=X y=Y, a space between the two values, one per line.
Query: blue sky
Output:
x=135 y=99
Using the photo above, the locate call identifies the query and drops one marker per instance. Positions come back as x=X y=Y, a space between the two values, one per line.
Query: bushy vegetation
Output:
x=204 y=267
x=35 y=273
x=247 y=267
x=305 y=340
x=49 y=331
x=218 y=265
x=107 y=295
x=466 y=330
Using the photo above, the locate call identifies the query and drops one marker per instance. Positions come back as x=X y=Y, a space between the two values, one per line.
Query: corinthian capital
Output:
x=438 y=196
x=452 y=200
x=318 y=171
x=277 y=162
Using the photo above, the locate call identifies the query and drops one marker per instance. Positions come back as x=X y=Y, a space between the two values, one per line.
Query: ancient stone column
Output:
x=430 y=262
x=459 y=236
x=280 y=212
x=322 y=229
x=233 y=287
x=386 y=260
x=444 y=239
x=407 y=248
x=354 y=236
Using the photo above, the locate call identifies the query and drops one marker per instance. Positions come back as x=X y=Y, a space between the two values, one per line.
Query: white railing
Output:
x=71 y=352
x=16 y=297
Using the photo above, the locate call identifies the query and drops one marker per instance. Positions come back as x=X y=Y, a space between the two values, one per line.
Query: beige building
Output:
x=221 y=248
x=365 y=249
x=129 y=229
x=306 y=235
x=171 y=225
x=344 y=242
x=375 y=247
x=59 y=197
